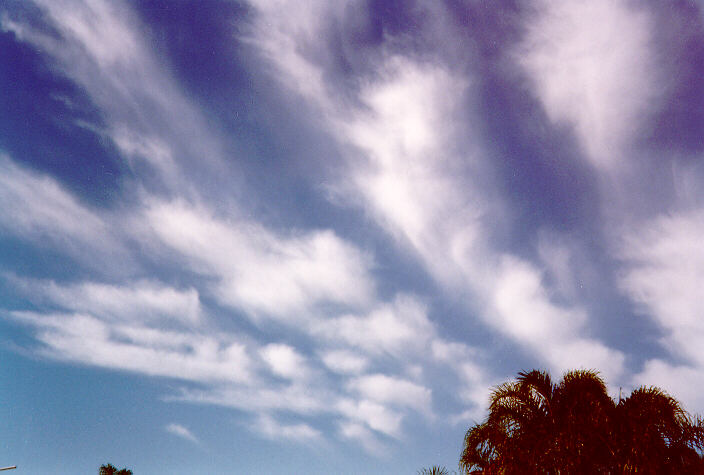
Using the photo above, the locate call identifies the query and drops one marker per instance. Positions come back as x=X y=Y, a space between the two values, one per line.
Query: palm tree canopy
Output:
x=434 y=470
x=537 y=426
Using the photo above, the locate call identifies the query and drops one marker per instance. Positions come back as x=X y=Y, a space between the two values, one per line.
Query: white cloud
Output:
x=403 y=167
x=37 y=205
x=662 y=274
x=361 y=434
x=473 y=378
x=137 y=146
x=138 y=301
x=260 y=271
x=683 y=382
x=100 y=27
x=284 y=361
x=395 y=391
x=405 y=109
x=374 y=415
x=592 y=67
x=475 y=389
x=393 y=328
x=270 y=428
x=407 y=173
x=344 y=362
x=186 y=356
x=285 y=32
x=38 y=208
x=556 y=256
x=310 y=276
x=100 y=46
x=406 y=170
x=181 y=431
x=296 y=398
x=522 y=309
x=424 y=195
x=449 y=352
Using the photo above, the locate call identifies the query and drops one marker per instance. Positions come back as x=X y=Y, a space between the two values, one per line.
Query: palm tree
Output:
x=533 y=426
x=536 y=426
x=656 y=432
x=434 y=470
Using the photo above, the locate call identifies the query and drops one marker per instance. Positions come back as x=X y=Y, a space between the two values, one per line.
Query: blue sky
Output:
x=308 y=237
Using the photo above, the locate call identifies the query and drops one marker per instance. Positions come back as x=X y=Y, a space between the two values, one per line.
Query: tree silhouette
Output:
x=109 y=469
x=537 y=426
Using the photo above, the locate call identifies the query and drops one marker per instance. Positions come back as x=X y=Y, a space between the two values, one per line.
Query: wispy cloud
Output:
x=521 y=307
x=137 y=301
x=360 y=434
x=181 y=431
x=593 y=68
x=372 y=415
x=438 y=201
x=37 y=208
x=664 y=264
x=273 y=429
x=100 y=46
x=344 y=361
x=396 y=391
x=396 y=328
x=186 y=356
x=260 y=271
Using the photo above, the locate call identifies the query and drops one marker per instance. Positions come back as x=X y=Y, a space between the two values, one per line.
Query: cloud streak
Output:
x=181 y=431
x=260 y=271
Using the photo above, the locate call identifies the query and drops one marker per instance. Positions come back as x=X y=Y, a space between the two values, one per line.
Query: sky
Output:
x=285 y=236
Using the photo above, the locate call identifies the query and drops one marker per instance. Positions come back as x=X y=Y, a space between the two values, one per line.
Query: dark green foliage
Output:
x=536 y=426
x=109 y=469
